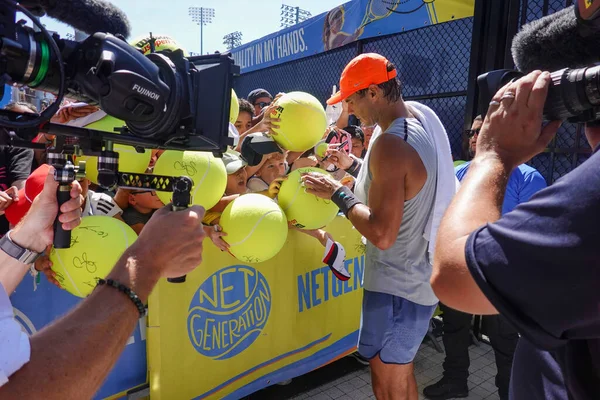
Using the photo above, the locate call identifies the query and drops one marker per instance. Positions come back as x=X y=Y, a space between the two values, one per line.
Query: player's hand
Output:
x=512 y=130
x=321 y=185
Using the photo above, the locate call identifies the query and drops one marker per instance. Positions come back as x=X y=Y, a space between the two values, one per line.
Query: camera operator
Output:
x=537 y=265
x=50 y=364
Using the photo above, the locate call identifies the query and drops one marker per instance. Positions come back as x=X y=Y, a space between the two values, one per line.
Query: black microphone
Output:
x=556 y=41
x=89 y=16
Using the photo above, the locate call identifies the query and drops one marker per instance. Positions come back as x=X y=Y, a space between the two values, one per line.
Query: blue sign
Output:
x=355 y=20
x=36 y=309
x=229 y=311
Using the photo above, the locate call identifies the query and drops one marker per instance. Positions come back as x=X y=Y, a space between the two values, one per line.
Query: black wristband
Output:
x=345 y=199
x=130 y=293
x=354 y=168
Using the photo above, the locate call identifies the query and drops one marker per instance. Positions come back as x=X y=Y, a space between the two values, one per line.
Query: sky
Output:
x=254 y=19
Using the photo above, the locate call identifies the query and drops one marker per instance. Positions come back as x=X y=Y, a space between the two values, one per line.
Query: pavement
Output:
x=348 y=379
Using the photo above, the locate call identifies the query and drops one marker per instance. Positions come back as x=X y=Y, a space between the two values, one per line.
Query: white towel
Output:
x=447 y=184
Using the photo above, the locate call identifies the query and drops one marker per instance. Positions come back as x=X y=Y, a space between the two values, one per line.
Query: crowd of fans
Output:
x=345 y=143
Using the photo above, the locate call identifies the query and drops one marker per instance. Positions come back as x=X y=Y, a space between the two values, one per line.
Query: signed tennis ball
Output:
x=256 y=228
x=303 y=210
x=96 y=245
x=303 y=121
x=206 y=172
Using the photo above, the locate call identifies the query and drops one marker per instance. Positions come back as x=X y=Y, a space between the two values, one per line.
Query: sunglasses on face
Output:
x=262 y=104
x=472 y=132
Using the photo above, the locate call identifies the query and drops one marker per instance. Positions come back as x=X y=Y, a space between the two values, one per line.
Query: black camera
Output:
x=566 y=38
x=574 y=94
x=166 y=100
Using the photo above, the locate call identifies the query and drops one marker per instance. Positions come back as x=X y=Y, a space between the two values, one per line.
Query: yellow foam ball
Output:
x=234 y=110
x=303 y=210
x=129 y=159
x=256 y=228
x=321 y=149
x=303 y=121
x=161 y=43
x=206 y=171
x=96 y=245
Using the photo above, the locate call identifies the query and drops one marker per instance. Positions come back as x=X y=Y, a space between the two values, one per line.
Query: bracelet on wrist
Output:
x=127 y=291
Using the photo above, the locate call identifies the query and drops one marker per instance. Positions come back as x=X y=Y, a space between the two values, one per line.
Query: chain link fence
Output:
x=433 y=64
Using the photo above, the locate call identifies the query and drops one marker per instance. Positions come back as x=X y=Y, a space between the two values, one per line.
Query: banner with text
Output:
x=355 y=20
x=233 y=328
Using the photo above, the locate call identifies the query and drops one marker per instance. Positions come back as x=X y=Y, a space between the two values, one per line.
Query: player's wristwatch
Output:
x=17 y=252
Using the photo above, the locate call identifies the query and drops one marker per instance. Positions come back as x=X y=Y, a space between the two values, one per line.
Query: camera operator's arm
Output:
x=510 y=135
x=71 y=358
x=35 y=231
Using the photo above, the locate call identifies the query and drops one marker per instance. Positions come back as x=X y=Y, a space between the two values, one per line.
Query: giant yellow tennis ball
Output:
x=303 y=210
x=303 y=121
x=129 y=159
x=256 y=228
x=234 y=110
x=206 y=172
x=96 y=245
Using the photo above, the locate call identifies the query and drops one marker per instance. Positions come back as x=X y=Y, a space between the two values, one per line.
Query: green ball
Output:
x=303 y=210
x=256 y=228
x=96 y=245
x=206 y=172
x=303 y=121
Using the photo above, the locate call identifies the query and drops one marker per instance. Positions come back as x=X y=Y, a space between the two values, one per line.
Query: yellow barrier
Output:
x=233 y=329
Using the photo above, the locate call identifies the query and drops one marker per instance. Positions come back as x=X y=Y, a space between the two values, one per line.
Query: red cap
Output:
x=33 y=186
x=364 y=70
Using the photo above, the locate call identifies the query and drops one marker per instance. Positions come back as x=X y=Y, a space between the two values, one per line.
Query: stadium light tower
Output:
x=293 y=15
x=232 y=40
x=202 y=16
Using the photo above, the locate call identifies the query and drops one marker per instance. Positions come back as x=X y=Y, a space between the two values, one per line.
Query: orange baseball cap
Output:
x=364 y=70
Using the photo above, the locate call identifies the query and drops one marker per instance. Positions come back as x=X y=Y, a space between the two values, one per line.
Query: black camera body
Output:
x=573 y=96
x=568 y=37
x=165 y=99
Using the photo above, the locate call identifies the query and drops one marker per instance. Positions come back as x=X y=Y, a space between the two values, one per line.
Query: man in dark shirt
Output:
x=538 y=265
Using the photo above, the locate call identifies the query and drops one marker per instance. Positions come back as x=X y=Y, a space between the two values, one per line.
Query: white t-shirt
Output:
x=100 y=204
x=15 y=349
x=255 y=185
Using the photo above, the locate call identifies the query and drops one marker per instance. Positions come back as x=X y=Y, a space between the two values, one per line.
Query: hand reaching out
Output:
x=216 y=234
x=7 y=197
